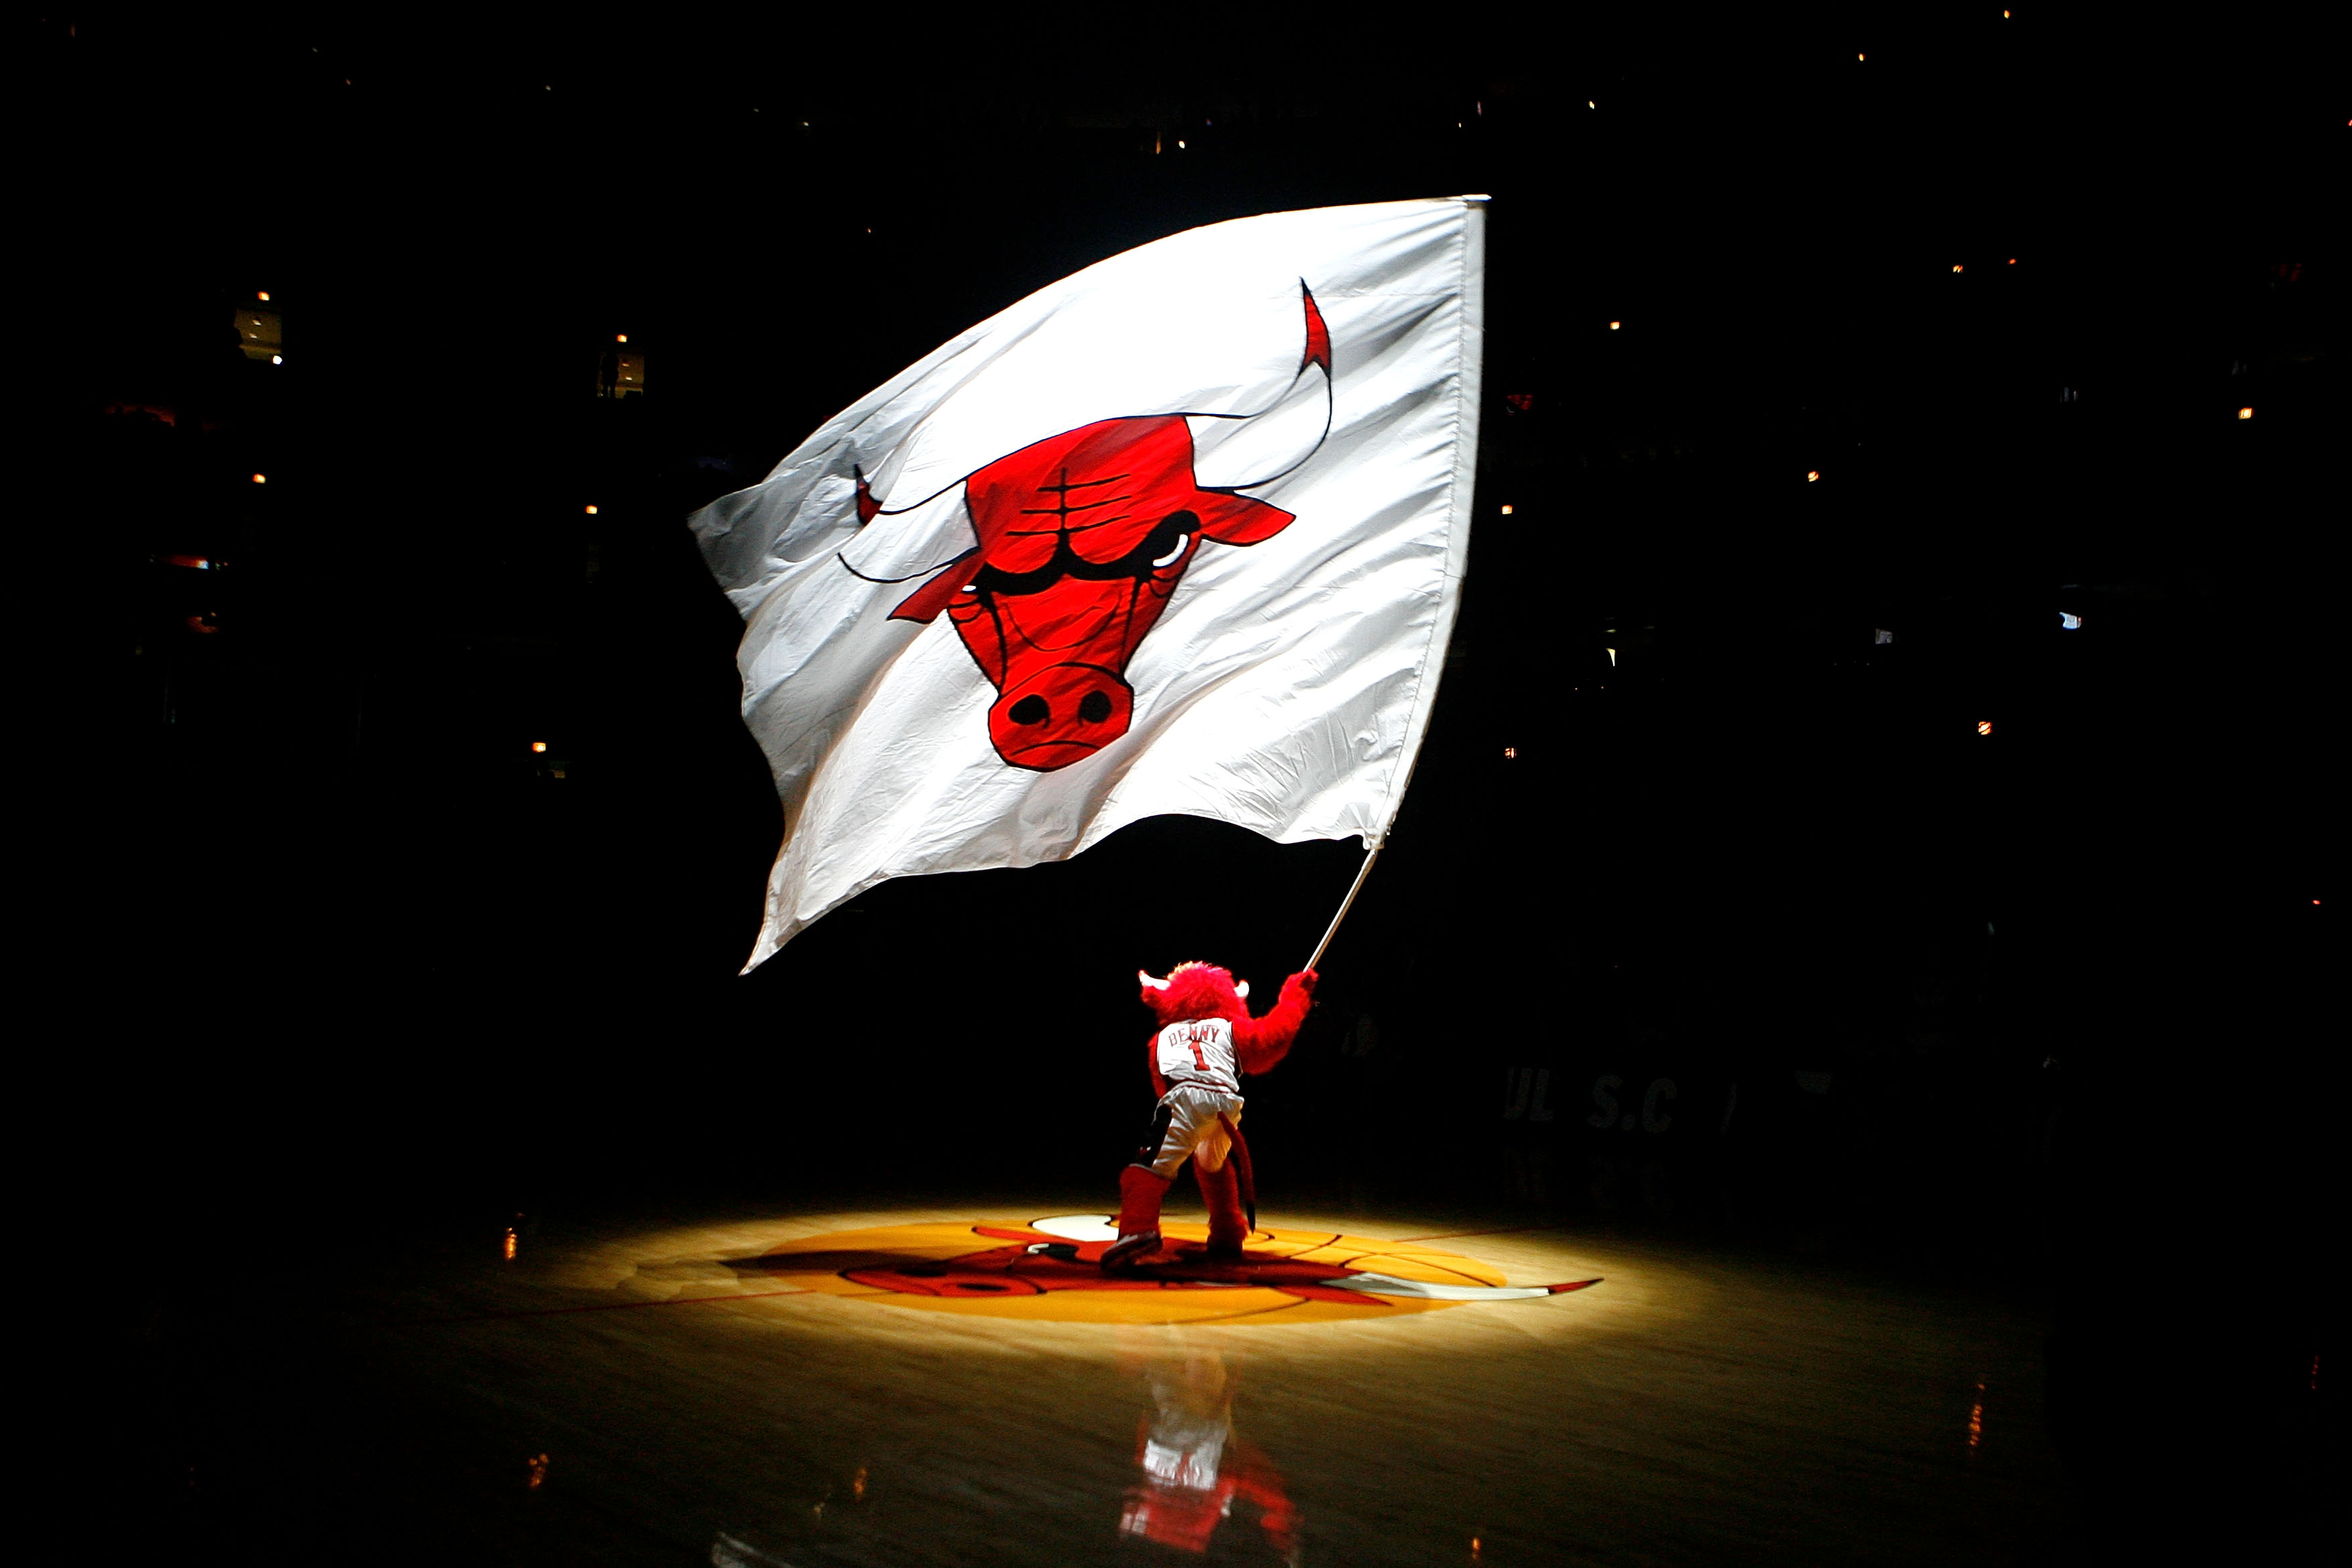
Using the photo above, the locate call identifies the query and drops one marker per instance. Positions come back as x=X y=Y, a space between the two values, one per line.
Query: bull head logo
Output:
x=1082 y=539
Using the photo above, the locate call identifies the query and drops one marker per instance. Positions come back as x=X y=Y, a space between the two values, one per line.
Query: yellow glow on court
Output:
x=824 y=1264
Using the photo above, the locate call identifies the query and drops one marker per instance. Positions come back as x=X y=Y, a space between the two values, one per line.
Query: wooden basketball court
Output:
x=955 y=1385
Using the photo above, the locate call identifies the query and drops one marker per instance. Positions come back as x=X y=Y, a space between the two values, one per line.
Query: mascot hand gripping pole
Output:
x=1207 y=1039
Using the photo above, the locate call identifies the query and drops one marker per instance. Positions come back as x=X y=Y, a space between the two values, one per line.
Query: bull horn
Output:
x=1155 y=985
x=1243 y=451
x=1241 y=989
x=877 y=565
x=870 y=506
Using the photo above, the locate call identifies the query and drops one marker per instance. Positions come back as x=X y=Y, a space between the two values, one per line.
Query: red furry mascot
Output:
x=1207 y=1039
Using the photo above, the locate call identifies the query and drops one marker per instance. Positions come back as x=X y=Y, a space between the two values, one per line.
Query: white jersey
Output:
x=1199 y=1050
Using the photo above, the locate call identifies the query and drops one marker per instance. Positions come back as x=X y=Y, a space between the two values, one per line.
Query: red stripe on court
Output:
x=1460 y=1235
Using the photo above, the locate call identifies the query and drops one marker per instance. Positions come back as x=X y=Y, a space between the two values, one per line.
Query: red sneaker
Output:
x=1129 y=1249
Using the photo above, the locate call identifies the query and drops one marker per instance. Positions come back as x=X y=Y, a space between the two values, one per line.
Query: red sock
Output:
x=1221 y=1189
x=1139 y=1192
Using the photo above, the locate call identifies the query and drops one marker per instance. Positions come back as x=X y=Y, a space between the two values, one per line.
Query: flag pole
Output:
x=1344 y=905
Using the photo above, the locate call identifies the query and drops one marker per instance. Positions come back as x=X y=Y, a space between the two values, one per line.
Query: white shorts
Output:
x=1185 y=1126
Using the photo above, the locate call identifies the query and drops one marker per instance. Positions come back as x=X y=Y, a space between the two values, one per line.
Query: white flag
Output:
x=1182 y=533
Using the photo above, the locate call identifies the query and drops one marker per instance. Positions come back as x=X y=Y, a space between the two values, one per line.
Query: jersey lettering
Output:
x=1199 y=1050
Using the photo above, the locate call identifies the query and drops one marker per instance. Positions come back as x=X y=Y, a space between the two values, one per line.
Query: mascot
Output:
x=1207 y=1039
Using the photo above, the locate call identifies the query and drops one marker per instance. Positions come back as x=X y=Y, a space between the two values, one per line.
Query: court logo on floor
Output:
x=1046 y=1270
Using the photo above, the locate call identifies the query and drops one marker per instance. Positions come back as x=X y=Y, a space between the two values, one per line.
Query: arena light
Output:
x=2070 y=621
x=261 y=478
x=262 y=295
x=1507 y=509
x=1812 y=474
x=620 y=337
x=539 y=745
x=2245 y=413
x=1956 y=266
x=1984 y=726
x=1614 y=325
x=1509 y=752
x=591 y=511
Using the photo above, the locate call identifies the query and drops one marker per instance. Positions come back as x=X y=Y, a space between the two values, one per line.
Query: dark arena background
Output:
x=1866 y=893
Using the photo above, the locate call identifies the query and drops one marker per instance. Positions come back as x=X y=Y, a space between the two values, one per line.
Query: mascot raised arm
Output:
x=1206 y=1040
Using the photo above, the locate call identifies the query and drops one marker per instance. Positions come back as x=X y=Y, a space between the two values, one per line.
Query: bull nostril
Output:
x=1032 y=709
x=1094 y=707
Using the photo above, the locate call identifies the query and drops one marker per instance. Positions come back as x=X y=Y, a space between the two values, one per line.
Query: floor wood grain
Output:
x=620 y=1395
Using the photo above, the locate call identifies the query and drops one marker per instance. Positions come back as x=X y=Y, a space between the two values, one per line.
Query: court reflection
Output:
x=1195 y=1473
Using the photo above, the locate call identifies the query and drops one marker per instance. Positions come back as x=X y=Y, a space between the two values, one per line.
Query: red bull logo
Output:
x=1082 y=539
x=1049 y=1269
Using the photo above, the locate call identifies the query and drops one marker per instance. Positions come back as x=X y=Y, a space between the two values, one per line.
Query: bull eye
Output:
x=1094 y=707
x=1167 y=540
x=991 y=580
x=1031 y=709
